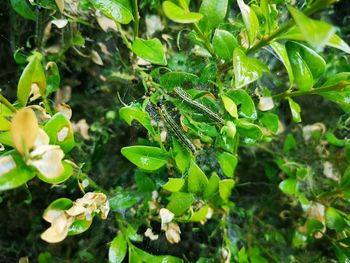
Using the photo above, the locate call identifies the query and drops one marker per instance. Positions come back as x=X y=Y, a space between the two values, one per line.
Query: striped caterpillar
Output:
x=175 y=128
x=212 y=115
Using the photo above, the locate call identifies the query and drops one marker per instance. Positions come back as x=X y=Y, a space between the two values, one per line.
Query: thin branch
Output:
x=339 y=86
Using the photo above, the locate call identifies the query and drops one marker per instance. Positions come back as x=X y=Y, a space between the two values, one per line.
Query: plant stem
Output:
x=339 y=86
x=204 y=38
x=7 y=103
x=317 y=6
x=137 y=18
x=124 y=38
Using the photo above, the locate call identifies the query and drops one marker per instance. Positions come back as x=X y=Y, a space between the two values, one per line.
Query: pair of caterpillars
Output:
x=173 y=126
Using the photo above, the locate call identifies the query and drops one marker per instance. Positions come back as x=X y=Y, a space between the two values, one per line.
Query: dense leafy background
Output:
x=261 y=220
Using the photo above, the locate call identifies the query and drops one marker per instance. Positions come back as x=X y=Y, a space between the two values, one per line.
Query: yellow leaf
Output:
x=24 y=129
x=60 y=5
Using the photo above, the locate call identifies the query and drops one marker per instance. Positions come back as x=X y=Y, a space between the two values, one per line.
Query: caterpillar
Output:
x=175 y=128
x=212 y=115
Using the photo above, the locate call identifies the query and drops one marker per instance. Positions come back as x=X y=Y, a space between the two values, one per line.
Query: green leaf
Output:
x=213 y=186
x=335 y=41
x=170 y=80
x=68 y=172
x=79 y=226
x=200 y=215
x=53 y=78
x=59 y=204
x=174 y=184
x=214 y=12
x=117 y=249
x=123 y=200
x=246 y=69
x=23 y=8
x=317 y=33
x=295 y=110
x=225 y=188
x=142 y=256
x=179 y=15
x=230 y=106
x=13 y=171
x=242 y=99
x=135 y=112
x=250 y=131
x=179 y=202
x=119 y=11
x=33 y=73
x=228 y=163
x=151 y=50
x=146 y=157
x=60 y=131
x=250 y=20
x=197 y=180
x=306 y=64
x=270 y=121
x=224 y=43
x=288 y=186
x=283 y=55
x=182 y=156
x=335 y=220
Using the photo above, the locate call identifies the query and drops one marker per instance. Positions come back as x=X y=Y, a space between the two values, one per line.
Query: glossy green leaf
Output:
x=174 y=184
x=170 y=80
x=59 y=204
x=288 y=186
x=200 y=215
x=60 y=131
x=135 y=112
x=143 y=256
x=117 y=249
x=242 y=99
x=79 y=226
x=228 y=163
x=213 y=186
x=180 y=15
x=315 y=63
x=123 y=200
x=196 y=180
x=224 y=43
x=151 y=50
x=246 y=69
x=317 y=33
x=214 y=12
x=335 y=220
x=250 y=131
x=303 y=76
x=13 y=171
x=295 y=110
x=250 y=20
x=119 y=11
x=230 y=106
x=33 y=73
x=179 y=202
x=270 y=121
x=281 y=51
x=23 y=8
x=225 y=188
x=146 y=157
